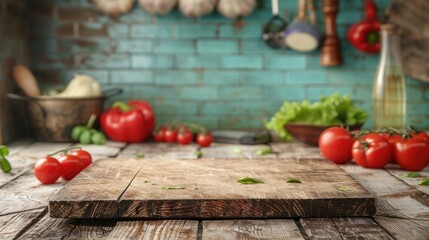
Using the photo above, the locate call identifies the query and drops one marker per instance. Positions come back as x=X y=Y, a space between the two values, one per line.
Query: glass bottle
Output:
x=388 y=97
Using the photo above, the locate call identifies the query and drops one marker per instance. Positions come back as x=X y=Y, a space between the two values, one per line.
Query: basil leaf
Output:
x=172 y=188
x=198 y=153
x=264 y=151
x=249 y=180
x=424 y=182
x=4 y=151
x=5 y=165
x=293 y=180
x=412 y=175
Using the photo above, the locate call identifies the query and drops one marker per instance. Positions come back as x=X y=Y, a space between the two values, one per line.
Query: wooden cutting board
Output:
x=117 y=188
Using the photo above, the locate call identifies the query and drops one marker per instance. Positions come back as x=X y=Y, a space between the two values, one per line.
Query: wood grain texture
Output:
x=99 y=152
x=211 y=190
x=413 y=182
x=50 y=228
x=405 y=228
x=250 y=229
x=94 y=193
x=320 y=228
x=148 y=230
x=360 y=228
x=394 y=197
x=296 y=150
x=223 y=151
x=92 y=229
x=12 y=225
x=413 y=20
x=159 y=151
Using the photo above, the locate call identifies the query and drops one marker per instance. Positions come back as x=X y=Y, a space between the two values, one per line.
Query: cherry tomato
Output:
x=159 y=136
x=412 y=154
x=84 y=156
x=71 y=165
x=184 y=136
x=392 y=139
x=372 y=151
x=204 y=139
x=47 y=170
x=170 y=135
x=421 y=135
x=335 y=144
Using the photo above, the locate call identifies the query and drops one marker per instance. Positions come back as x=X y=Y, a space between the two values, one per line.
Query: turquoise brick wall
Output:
x=205 y=69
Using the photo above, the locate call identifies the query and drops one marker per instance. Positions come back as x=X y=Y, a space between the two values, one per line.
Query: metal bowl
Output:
x=53 y=118
x=310 y=133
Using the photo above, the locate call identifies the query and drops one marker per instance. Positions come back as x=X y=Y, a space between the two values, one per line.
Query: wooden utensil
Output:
x=26 y=80
x=331 y=52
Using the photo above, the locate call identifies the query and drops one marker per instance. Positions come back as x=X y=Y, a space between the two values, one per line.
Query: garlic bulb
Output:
x=157 y=6
x=81 y=86
x=196 y=8
x=114 y=7
x=236 y=8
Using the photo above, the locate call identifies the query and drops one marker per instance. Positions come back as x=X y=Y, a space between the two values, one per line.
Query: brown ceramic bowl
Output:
x=309 y=134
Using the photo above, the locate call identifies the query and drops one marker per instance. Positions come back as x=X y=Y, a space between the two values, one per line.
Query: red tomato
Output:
x=185 y=136
x=159 y=136
x=84 y=156
x=412 y=154
x=336 y=143
x=421 y=135
x=170 y=135
x=71 y=165
x=47 y=170
x=204 y=139
x=376 y=154
x=392 y=139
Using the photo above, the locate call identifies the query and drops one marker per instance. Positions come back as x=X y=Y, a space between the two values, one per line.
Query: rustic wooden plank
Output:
x=39 y=149
x=360 y=228
x=12 y=225
x=50 y=228
x=211 y=190
x=25 y=193
x=319 y=228
x=250 y=229
x=296 y=150
x=94 y=193
x=168 y=229
x=18 y=145
x=394 y=197
x=159 y=151
x=218 y=150
x=398 y=172
x=92 y=229
x=405 y=228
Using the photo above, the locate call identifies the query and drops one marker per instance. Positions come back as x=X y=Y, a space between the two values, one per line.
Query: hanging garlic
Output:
x=114 y=7
x=196 y=8
x=158 y=6
x=236 y=8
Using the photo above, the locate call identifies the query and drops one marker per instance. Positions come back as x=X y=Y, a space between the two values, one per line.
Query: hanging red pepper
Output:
x=129 y=123
x=365 y=35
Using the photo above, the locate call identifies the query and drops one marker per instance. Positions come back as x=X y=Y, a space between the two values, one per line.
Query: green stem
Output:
x=91 y=121
x=122 y=106
x=63 y=150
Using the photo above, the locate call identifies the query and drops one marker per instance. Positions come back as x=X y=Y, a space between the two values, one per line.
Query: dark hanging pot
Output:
x=273 y=31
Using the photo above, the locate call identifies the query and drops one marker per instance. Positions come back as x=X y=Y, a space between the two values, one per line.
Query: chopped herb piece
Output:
x=172 y=188
x=411 y=175
x=424 y=182
x=264 y=151
x=343 y=189
x=249 y=180
x=4 y=163
x=293 y=180
x=146 y=181
x=139 y=155
x=237 y=150
x=198 y=153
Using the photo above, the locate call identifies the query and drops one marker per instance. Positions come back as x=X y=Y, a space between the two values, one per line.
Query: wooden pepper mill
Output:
x=331 y=49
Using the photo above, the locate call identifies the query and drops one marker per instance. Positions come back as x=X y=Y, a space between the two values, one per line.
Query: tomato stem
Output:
x=91 y=121
x=65 y=150
x=122 y=106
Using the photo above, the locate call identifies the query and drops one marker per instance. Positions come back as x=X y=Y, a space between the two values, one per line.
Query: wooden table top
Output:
x=402 y=204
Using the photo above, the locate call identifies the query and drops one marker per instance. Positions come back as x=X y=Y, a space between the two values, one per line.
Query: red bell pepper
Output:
x=365 y=35
x=129 y=123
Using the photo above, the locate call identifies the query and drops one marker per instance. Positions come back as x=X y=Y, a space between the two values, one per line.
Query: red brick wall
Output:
x=13 y=49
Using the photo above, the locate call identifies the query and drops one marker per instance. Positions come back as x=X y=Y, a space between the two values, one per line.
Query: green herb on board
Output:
x=237 y=150
x=249 y=180
x=139 y=155
x=172 y=188
x=4 y=163
x=198 y=153
x=293 y=180
x=146 y=181
x=412 y=175
x=424 y=182
x=264 y=151
x=343 y=189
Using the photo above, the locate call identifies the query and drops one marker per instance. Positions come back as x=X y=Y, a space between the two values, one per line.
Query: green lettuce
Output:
x=335 y=109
